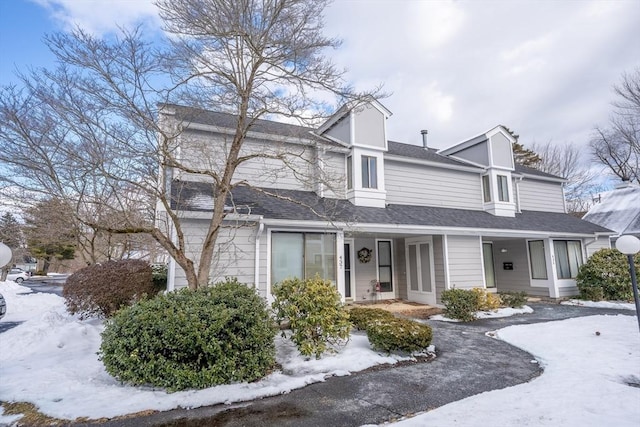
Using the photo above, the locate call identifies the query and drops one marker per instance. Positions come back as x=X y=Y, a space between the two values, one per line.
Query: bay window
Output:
x=568 y=258
x=369 y=172
x=503 y=189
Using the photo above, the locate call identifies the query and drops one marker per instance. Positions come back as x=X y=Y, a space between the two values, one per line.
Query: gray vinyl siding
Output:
x=400 y=269
x=501 y=151
x=438 y=264
x=518 y=279
x=465 y=262
x=602 y=243
x=369 y=126
x=341 y=130
x=478 y=153
x=334 y=175
x=541 y=196
x=234 y=255
x=409 y=184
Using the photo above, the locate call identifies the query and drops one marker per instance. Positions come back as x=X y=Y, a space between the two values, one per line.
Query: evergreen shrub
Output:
x=361 y=317
x=190 y=339
x=461 y=304
x=606 y=276
x=102 y=289
x=513 y=299
x=317 y=318
x=399 y=335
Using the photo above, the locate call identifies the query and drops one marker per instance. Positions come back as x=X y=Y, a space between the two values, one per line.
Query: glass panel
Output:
x=347 y=270
x=384 y=253
x=384 y=266
x=489 y=272
x=349 y=173
x=365 y=172
x=385 y=279
x=425 y=267
x=503 y=188
x=413 y=268
x=286 y=256
x=562 y=259
x=320 y=256
x=574 y=254
x=373 y=172
x=537 y=260
x=486 y=188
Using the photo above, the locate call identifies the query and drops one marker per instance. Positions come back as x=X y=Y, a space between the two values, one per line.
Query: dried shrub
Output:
x=189 y=339
x=513 y=299
x=399 y=335
x=487 y=301
x=102 y=289
x=317 y=318
x=361 y=317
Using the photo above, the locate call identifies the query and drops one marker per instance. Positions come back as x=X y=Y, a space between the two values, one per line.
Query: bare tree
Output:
x=95 y=132
x=618 y=146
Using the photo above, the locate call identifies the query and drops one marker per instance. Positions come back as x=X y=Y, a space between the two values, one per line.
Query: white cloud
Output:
x=100 y=16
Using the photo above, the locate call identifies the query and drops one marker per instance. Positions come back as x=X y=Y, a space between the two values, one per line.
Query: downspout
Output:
x=256 y=277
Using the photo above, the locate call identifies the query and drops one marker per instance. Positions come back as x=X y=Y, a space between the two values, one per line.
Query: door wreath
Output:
x=364 y=255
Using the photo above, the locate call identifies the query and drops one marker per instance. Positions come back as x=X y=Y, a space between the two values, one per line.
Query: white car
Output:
x=18 y=275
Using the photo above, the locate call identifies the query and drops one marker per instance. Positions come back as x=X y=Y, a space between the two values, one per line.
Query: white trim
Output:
x=411 y=160
x=352 y=276
x=539 y=178
x=339 y=267
x=445 y=260
x=256 y=274
x=484 y=276
x=429 y=297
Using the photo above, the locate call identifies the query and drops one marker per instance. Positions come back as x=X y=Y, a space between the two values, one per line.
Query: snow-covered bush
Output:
x=102 y=289
x=316 y=316
x=606 y=276
x=192 y=339
x=392 y=335
x=361 y=317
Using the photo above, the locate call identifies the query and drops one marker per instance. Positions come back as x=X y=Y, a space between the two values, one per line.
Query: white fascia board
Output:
x=540 y=178
x=463 y=145
x=335 y=140
x=474 y=164
x=335 y=118
x=475 y=169
x=500 y=129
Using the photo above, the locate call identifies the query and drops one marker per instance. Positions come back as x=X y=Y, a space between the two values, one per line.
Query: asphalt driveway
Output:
x=468 y=363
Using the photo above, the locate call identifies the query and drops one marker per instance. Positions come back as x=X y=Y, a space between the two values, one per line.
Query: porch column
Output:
x=340 y=264
x=551 y=260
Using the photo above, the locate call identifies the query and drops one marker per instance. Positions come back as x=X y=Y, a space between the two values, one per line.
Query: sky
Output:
x=545 y=69
x=50 y=360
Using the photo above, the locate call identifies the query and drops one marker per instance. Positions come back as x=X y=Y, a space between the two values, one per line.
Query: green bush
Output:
x=317 y=318
x=395 y=334
x=513 y=299
x=608 y=271
x=460 y=304
x=159 y=276
x=191 y=339
x=361 y=317
x=102 y=289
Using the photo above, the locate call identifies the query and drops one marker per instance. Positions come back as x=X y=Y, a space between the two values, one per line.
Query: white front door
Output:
x=420 y=277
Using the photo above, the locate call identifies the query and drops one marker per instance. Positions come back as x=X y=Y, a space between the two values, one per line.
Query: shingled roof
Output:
x=419 y=152
x=304 y=205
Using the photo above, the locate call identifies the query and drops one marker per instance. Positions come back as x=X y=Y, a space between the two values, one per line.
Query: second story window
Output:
x=503 y=189
x=486 y=189
x=349 y=173
x=369 y=172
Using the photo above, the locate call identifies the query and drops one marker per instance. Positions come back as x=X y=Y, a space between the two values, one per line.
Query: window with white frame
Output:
x=385 y=269
x=349 y=173
x=369 y=172
x=486 y=189
x=503 y=188
x=302 y=255
x=537 y=260
x=568 y=258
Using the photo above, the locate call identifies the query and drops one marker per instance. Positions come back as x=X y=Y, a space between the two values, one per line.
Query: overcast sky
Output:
x=543 y=68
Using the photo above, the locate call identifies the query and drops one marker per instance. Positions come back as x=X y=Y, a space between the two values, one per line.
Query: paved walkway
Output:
x=468 y=363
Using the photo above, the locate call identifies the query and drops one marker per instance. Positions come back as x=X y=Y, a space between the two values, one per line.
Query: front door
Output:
x=421 y=278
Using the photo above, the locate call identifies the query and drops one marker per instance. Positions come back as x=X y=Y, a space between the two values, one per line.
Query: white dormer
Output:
x=492 y=150
x=363 y=129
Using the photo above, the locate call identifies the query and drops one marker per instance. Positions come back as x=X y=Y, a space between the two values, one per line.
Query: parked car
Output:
x=3 y=306
x=18 y=275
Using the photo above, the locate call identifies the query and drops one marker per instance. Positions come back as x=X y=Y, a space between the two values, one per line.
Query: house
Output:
x=381 y=219
x=618 y=210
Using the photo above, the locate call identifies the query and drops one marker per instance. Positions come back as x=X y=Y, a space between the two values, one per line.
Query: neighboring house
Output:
x=618 y=210
x=381 y=219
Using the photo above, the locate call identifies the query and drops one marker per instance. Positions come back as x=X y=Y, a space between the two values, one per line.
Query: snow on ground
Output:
x=601 y=304
x=501 y=312
x=51 y=361
x=584 y=381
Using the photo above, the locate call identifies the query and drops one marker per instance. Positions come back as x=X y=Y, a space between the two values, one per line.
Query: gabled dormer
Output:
x=362 y=128
x=493 y=151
